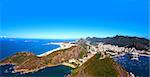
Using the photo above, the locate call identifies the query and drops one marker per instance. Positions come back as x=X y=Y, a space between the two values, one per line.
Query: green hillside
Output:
x=123 y=41
x=26 y=61
x=95 y=67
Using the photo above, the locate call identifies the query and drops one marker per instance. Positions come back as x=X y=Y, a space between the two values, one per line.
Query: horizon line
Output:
x=73 y=38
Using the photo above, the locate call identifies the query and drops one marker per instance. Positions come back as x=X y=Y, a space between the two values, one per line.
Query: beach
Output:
x=63 y=45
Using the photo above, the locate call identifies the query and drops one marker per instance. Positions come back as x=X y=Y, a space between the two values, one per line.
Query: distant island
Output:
x=89 y=57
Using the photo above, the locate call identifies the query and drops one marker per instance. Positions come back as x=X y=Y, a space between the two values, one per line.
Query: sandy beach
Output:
x=63 y=45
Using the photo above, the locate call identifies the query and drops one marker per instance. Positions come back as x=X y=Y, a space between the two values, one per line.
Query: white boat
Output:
x=135 y=56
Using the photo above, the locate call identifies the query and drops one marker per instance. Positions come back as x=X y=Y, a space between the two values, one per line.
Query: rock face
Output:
x=96 y=67
x=123 y=41
x=26 y=61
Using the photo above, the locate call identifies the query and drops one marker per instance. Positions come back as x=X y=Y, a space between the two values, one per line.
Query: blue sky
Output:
x=73 y=18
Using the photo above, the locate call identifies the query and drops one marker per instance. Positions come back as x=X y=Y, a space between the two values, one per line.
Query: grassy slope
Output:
x=93 y=67
x=18 y=58
x=26 y=60
x=99 y=68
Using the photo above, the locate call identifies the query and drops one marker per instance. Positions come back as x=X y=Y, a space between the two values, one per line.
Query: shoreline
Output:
x=63 y=45
x=145 y=55
x=26 y=71
x=68 y=65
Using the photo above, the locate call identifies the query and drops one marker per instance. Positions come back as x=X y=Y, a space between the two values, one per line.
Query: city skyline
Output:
x=74 y=19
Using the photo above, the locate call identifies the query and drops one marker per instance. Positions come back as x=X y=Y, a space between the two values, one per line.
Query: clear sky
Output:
x=73 y=18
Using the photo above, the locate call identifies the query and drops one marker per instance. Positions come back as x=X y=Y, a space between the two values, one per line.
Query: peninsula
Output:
x=88 y=57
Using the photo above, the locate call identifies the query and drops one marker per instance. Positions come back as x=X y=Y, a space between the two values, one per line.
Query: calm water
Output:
x=37 y=46
x=56 y=71
x=138 y=67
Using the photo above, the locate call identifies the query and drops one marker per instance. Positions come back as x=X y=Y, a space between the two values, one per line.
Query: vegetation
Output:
x=18 y=58
x=95 y=67
x=124 y=41
x=29 y=61
x=81 y=54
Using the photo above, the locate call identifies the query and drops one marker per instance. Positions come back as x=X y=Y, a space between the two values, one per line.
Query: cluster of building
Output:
x=78 y=62
x=107 y=50
x=114 y=51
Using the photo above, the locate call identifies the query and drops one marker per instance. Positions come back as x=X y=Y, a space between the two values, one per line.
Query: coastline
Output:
x=69 y=65
x=144 y=55
x=63 y=45
x=25 y=71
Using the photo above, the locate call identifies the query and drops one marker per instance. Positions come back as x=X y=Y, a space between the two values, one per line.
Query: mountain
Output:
x=123 y=41
x=96 y=67
x=28 y=62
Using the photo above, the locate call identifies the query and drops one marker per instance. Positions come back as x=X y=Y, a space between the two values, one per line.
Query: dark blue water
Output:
x=137 y=67
x=10 y=46
x=56 y=71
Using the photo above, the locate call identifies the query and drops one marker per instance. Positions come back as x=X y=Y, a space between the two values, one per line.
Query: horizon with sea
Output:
x=10 y=46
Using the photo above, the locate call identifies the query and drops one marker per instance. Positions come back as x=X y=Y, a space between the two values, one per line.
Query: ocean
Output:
x=10 y=46
x=139 y=67
x=56 y=71
x=38 y=46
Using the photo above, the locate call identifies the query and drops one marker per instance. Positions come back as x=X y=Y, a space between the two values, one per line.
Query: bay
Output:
x=55 y=71
x=10 y=46
x=139 y=67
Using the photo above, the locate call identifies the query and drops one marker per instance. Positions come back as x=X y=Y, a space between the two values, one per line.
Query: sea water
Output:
x=55 y=71
x=139 y=67
x=10 y=46
x=37 y=46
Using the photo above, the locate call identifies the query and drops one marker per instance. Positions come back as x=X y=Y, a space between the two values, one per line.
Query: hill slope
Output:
x=95 y=67
x=123 y=41
x=26 y=61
